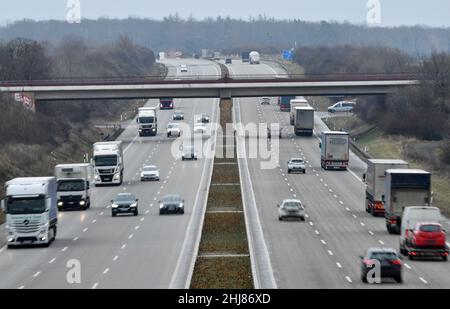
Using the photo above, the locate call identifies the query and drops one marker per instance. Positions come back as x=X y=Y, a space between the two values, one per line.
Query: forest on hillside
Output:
x=225 y=34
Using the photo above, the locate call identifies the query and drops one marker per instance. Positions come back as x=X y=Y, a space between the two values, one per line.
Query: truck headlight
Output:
x=97 y=177
x=116 y=176
x=82 y=203
x=60 y=204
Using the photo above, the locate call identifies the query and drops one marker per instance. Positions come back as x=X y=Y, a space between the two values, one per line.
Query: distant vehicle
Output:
x=183 y=68
x=421 y=233
x=228 y=61
x=388 y=260
x=245 y=56
x=125 y=203
x=255 y=57
x=291 y=208
x=265 y=101
x=404 y=188
x=108 y=163
x=166 y=103
x=150 y=172
x=285 y=103
x=334 y=150
x=31 y=211
x=147 y=121
x=297 y=102
x=203 y=118
x=178 y=115
x=189 y=153
x=274 y=132
x=296 y=165
x=73 y=187
x=199 y=128
x=304 y=121
x=374 y=180
x=343 y=106
x=173 y=130
x=171 y=204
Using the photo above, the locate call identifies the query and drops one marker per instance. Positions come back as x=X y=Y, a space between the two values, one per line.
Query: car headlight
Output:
x=60 y=203
x=82 y=203
x=181 y=205
x=114 y=206
x=133 y=205
x=161 y=205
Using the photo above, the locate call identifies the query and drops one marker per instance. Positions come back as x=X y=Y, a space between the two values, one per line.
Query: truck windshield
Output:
x=105 y=160
x=70 y=185
x=146 y=120
x=25 y=206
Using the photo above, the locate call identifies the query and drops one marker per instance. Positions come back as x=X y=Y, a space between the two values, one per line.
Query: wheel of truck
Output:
x=445 y=258
x=399 y=279
x=55 y=229
x=411 y=258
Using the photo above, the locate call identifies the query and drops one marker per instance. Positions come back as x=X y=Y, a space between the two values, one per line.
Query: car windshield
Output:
x=430 y=228
x=172 y=126
x=70 y=185
x=149 y=169
x=382 y=256
x=105 y=160
x=146 y=119
x=297 y=161
x=178 y=113
x=292 y=205
x=172 y=199
x=22 y=206
x=125 y=198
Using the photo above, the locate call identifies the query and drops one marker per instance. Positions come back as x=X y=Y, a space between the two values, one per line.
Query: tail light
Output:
x=368 y=262
x=396 y=262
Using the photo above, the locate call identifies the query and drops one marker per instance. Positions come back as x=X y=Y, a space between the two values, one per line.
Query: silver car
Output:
x=150 y=172
x=344 y=106
x=189 y=153
x=291 y=208
x=296 y=165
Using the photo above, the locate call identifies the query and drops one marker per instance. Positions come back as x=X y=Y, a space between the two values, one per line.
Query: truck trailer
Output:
x=404 y=188
x=374 y=180
x=304 y=121
x=298 y=102
x=335 y=150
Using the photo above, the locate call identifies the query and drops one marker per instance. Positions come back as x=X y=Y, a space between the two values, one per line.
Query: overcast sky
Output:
x=433 y=13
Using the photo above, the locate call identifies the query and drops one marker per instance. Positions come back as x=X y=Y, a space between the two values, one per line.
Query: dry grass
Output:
x=224 y=232
x=225 y=173
x=222 y=273
x=225 y=198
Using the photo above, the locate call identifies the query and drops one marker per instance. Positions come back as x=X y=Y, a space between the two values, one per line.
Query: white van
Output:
x=418 y=214
x=344 y=106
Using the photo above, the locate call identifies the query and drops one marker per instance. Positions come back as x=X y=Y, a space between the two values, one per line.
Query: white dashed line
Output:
x=106 y=271
x=317 y=232
x=64 y=249
x=102 y=213
x=371 y=233
x=115 y=258
x=338 y=265
x=407 y=266
x=423 y=280
x=363 y=224
x=323 y=242
x=341 y=202
x=123 y=246
x=95 y=286
x=311 y=223
x=76 y=238
x=131 y=236
x=137 y=227
x=52 y=261
x=142 y=219
x=36 y=274
x=381 y=242
x=94 y=221
x=348 y=279
x=330 y=252
x=85 y=230
x=21 y=287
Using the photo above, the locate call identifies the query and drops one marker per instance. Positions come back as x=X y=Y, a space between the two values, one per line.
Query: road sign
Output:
x=287 y=54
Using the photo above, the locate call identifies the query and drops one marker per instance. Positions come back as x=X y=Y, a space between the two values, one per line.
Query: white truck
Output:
x=31 y=211
x=147 y=121
x=108 y=163
x=404 y=188
x=255 y=58
x=73 y=182
x=297 y=102
x=304 y=121
x=335 y=150
x=374 y=180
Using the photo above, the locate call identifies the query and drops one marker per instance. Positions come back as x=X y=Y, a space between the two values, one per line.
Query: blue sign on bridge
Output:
x=287 y=54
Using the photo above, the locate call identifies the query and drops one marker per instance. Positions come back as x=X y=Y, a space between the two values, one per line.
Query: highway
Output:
x=324 y=251
x=147 y=251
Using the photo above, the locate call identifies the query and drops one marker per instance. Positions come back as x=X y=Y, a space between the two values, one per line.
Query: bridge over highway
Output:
x=211 y=87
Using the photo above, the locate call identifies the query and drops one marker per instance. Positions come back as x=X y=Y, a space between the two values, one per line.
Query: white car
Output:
x=173 y=129
x=296 y=165
x=199 y=128
x=291 y=208
x=149 y=172
x=344 y=106
x=189 y=153
x=183 y=68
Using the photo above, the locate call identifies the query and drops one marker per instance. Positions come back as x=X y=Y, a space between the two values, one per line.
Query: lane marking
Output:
x=317 y=232
x=115 y=258
x=106 y=271
x=131 y=236
x=21 y=287
x=85 y=230
x=95 y=286
x=52 y=261
x=330 y=252
x=94 y=221
x=339 y=265
x=348 y=279
x=37 y=274
x=407 y=266
x=65 y=249
x=123 y=246
x=323 y=242
x=363 y=224
x=371 y=233
x=381 y=242
x=2 y=249
x=423 y=280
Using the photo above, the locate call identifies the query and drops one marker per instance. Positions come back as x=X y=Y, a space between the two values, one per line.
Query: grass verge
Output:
x=230 y=273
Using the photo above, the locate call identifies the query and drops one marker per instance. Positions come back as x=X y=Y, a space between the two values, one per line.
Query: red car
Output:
x=426 y=239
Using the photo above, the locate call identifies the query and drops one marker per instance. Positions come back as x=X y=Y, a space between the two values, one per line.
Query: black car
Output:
x=178 y=115
x=171 y=204
x=388 y=260
x=203 y=118
x=124 y=203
